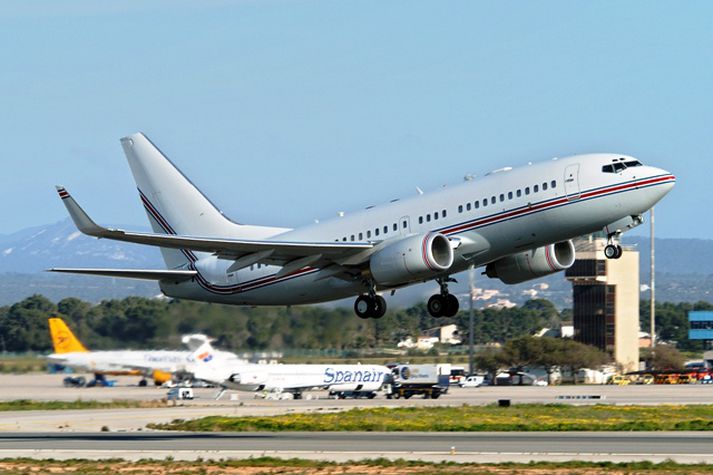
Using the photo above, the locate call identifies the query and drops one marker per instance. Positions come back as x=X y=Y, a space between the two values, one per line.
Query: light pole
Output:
x=652 y=284
x=471 y=280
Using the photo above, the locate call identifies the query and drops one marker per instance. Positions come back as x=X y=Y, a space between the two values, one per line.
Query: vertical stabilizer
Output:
x=174 y=204
x=63 y=339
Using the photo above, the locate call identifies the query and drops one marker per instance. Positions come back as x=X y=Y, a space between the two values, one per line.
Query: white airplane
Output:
x=517 y=222
x=284 y=378
x=159 y=364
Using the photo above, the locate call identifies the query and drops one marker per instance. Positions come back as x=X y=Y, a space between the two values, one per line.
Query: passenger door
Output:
x=571 y=182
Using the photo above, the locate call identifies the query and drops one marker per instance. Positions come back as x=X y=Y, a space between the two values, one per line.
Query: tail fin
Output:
x=174 y=204
x=204 y=354
x=63 y=339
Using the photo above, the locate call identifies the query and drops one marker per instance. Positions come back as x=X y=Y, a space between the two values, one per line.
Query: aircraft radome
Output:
x=517 y=222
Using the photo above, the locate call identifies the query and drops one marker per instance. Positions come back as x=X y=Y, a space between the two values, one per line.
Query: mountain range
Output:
x=684 y=269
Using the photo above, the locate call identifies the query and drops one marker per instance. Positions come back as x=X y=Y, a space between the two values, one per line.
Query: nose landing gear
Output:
x=443 y=304
x=613 y=251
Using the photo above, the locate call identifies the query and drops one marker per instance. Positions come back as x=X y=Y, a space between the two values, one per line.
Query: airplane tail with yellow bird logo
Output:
x=63 y=339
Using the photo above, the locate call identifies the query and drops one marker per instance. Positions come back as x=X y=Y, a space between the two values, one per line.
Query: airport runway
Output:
x=486 y=447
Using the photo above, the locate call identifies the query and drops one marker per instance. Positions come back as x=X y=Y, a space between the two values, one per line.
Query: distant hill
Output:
x=684 y=270
x=61 y=245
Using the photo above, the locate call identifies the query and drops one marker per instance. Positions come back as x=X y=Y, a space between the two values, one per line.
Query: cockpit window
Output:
x=616 y=167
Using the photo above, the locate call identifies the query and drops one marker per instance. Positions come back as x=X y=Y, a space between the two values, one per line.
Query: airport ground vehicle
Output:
x=429 y=381
x=472 y=381
x=180 y=393
x=457 y=374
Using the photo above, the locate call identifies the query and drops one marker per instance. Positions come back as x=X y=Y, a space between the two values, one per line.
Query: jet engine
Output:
x=411 y=259
x=247 y=380
x=533 y=263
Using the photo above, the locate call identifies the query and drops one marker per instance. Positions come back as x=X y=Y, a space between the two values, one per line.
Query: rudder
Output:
x=63 y=340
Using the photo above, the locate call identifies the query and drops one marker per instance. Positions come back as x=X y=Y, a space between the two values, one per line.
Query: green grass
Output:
x=21 y=364
x=276 y=465
x=28 y=405
x=523 y=417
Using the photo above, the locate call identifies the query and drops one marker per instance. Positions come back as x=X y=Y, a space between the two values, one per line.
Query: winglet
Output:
x=81 y=219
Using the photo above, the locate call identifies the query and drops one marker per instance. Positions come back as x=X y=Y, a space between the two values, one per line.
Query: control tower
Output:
x=606 y=300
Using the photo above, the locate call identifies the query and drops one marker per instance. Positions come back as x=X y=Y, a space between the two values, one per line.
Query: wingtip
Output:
x=62 y=191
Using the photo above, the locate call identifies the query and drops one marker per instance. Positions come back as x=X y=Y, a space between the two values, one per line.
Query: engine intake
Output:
x=411 y=259
x=533 y=263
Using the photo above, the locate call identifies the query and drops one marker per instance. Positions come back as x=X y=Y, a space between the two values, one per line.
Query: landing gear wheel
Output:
x=451 y=307
x=436 y=305
x=613 y=251
x=364 y=306
x=380 y=309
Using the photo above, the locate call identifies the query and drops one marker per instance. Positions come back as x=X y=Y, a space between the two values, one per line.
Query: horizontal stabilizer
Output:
x=147 y=274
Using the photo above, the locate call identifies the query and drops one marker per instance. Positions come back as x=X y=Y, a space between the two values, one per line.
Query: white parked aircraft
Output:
x=517 y=222
x=159 y=364
x=284 y=378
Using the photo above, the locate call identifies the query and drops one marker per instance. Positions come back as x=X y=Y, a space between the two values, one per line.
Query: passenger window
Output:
x=544 y=186
x=527 y=190
x=485 y=202
x=368 y=234
x=396 y=227
x=509 y=195
x=519 y=193
x=428 y=218
x=477 y=204
x=460 y=208
x=492 y=200
x=553 y=184
x=420 y=220
x=376 y=232
x=435 y=215
x=386 y=229
x=443 y=213
x=502 y=197
x=351 y=238
x=404 y=224
x=535 y=188
x=361 y=236
x=467 y=206
x=344 y=239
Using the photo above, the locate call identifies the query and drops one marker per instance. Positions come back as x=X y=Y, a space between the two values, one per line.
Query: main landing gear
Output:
x=443 y=304
x=370 y=305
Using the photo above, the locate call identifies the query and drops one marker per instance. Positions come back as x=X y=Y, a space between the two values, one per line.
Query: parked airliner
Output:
x=212 y=368
x=158 y=364
x=517 y=222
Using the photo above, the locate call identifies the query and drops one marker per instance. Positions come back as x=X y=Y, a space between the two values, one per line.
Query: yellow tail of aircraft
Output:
x=63 y=339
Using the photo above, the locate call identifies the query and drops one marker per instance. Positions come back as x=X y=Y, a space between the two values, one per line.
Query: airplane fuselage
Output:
x=486 y=218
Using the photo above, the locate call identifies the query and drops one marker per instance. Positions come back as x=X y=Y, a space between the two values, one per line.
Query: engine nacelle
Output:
x=411 y=259
x=533 y=263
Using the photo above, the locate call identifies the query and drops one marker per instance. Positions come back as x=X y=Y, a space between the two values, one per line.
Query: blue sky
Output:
x=286 y=111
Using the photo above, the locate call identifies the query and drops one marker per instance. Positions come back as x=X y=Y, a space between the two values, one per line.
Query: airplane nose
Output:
x=662 y=182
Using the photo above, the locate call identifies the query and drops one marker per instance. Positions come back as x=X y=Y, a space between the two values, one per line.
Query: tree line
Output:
x=137 y=322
